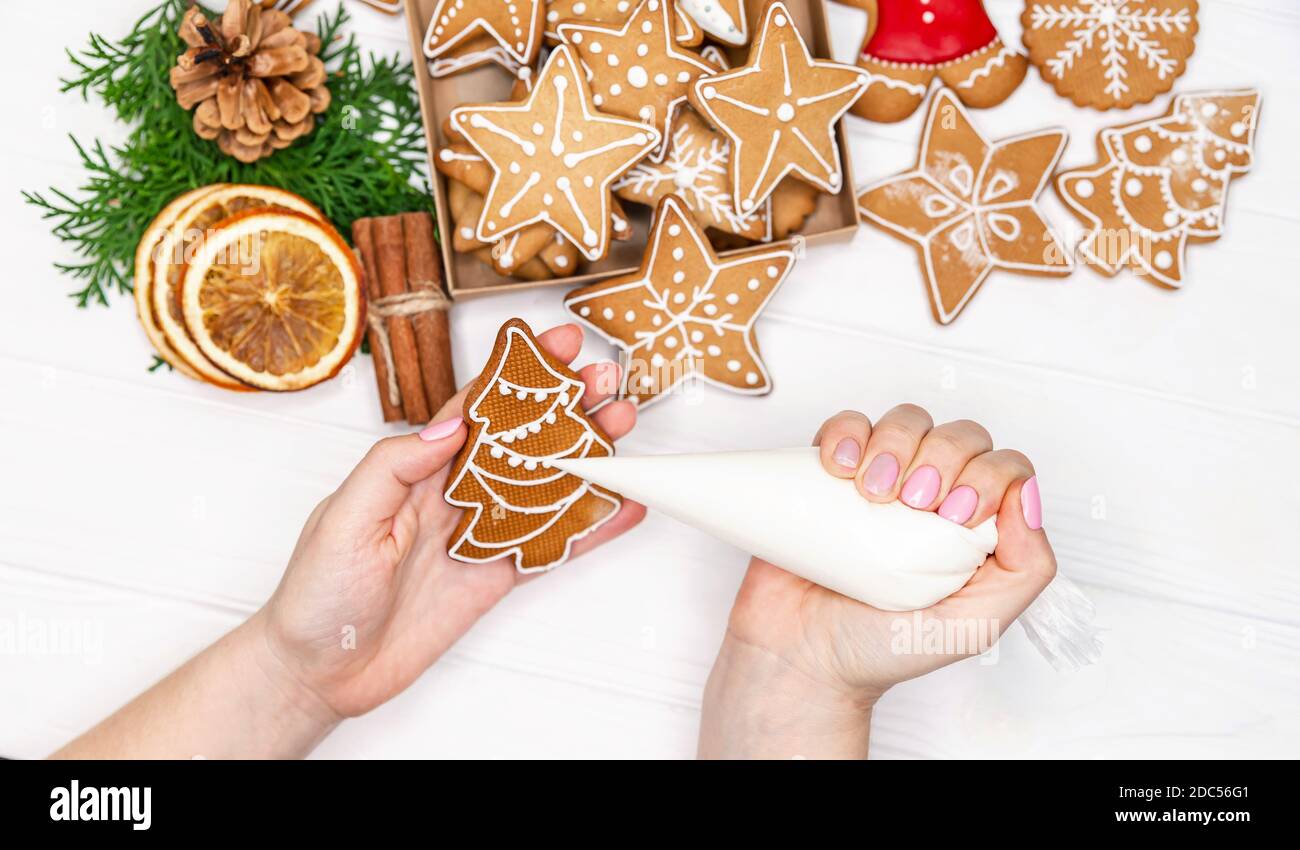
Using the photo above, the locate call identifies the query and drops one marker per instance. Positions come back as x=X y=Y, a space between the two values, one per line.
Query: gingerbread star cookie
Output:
x=525 y=411
x=685 y=31
x=968 y=205
x=1110 y=54
x=685 y=313
x=514 y=25
x=634 y=68
x=553 y=157
x=779 y=109
x=1161 y=183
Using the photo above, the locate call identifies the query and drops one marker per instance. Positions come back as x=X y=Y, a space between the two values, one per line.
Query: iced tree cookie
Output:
x=524 y=411
x=1162 y=183
x=553 y=157
x=969 y=205
x=779 y=110
x=908 y=44
x=685 y=313
x=1110 y=54
x=464 y=34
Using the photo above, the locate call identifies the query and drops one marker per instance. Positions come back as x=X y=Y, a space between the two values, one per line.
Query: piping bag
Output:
x=781 y=505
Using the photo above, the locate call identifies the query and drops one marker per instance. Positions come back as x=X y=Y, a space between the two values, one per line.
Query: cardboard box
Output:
x=835 y=219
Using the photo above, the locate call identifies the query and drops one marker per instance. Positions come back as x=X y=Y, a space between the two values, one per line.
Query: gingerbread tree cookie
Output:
x=635 y=69
x=1161 y=183
x=1110 y=54
x=685 y=313
x=908 y=44
x=969 y=205
x=553 y=157
x=524 y=411
x=463 y=34
x=779 y=109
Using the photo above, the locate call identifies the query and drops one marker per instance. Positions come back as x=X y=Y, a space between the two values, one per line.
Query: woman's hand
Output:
x=370 y=598
x=801 y=666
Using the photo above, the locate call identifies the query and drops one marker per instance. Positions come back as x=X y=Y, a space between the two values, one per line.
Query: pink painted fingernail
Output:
x=441 y=430
x=921 y=487
x=1030 y=504
x=847 y=453
x=881 y=474
x=960 y=504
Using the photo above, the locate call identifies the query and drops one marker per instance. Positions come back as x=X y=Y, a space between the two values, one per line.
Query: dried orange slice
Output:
x=144 y=255
x=190 y=229
x=273 y=298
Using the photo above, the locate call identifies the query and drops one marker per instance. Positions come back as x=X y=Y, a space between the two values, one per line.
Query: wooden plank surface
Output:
x=144 y=514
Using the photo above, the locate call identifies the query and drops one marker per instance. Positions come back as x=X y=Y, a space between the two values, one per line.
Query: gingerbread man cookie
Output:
x=525 y=411
x=553 y=157
x=463 y=34
x=779 y=110
x=968 y=205
x=1161 y=183
x=685 y=313
x=909 y=43
x=1110 y=54
x=634 y=68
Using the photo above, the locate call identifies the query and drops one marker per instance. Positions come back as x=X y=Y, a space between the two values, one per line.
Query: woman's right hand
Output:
x=801 y=666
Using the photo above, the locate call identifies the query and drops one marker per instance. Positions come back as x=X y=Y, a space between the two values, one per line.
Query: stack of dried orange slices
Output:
x=248 y=287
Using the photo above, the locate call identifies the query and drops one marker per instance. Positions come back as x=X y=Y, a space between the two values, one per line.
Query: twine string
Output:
x=425 y=297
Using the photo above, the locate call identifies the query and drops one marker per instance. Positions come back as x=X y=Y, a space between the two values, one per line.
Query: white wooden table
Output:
x=146 y=514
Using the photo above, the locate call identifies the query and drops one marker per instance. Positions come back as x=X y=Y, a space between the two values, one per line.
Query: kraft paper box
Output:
x=834 y=220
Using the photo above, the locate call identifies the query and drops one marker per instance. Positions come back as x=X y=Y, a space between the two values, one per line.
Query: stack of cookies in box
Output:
x=624 y=102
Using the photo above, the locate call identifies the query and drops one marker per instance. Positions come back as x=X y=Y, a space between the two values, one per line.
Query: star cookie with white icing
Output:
x=780 y=109
x=969 y=205
x=685 y=313
x=686 y=32
x=553 y=157
x=634 y=68
x=696 y=166
x=514 y=25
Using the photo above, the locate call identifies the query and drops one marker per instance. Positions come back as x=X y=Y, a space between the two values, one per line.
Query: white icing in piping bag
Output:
x=781 y=505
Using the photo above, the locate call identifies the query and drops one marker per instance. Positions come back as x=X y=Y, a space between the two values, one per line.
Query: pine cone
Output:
x=254 y=81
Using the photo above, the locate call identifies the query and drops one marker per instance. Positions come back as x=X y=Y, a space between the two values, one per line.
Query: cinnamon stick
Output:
x=432 y=329
x=390 y=258
x=363 y=239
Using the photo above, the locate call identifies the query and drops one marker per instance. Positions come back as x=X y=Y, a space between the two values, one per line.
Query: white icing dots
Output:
x=678 y=253
x=772 y=271
x=683 y=76
x=446 y=155
x=670 y=342
x=1209 y=110
x=710 y=309
x=584 y=311
x=597 y=99
x=785 y=112
x=1084 y=188
x=674 y=230
x=590 y=181
x=577 y=135
x=1237 y=129
x=752 y=284
x=497 y=452
x=530 y=464
x=643 y=50
x=678 y=277
x=596 y=47
x=710 y=92
x=629 y=316
x=927 y=17
x=656 y=320
x=733 y=365
x=561 y=262
x=733 y=299
x=697 y=336
x=1170 y=218
x=538 y=129
x=1199 y=185
x=679 y=298
x=615 y=90
x=1164 y=260
x=612 y=60
x=467 y=233
x=751 y=378
x=661 y=79
x=1179 y=156
x=1133 y=186
x=714 y=351
x=647 y=27
x=514 y=168
x=552 y=16
x=607 y=314
x=779 y=20
x=1142 y=144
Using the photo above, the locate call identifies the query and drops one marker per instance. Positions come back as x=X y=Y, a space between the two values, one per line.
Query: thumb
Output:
x=380 y=483
x=1019 y=568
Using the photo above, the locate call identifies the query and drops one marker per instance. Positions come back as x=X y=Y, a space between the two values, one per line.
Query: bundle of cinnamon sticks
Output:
x=410 y=338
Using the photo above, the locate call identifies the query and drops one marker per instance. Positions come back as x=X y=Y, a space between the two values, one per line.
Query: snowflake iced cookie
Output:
x=696 y=167
x=779 y=110
x=968 y=205
x=524 y=411
x=464 y=34
x=1161 y=183
x=634 y=68
x=908 y=44
x=685 y=31
x=685 y=313
x=553 y=157
x=1110 y=54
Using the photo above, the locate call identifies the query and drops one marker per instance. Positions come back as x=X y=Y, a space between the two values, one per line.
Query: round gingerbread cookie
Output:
x=1110 y=54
